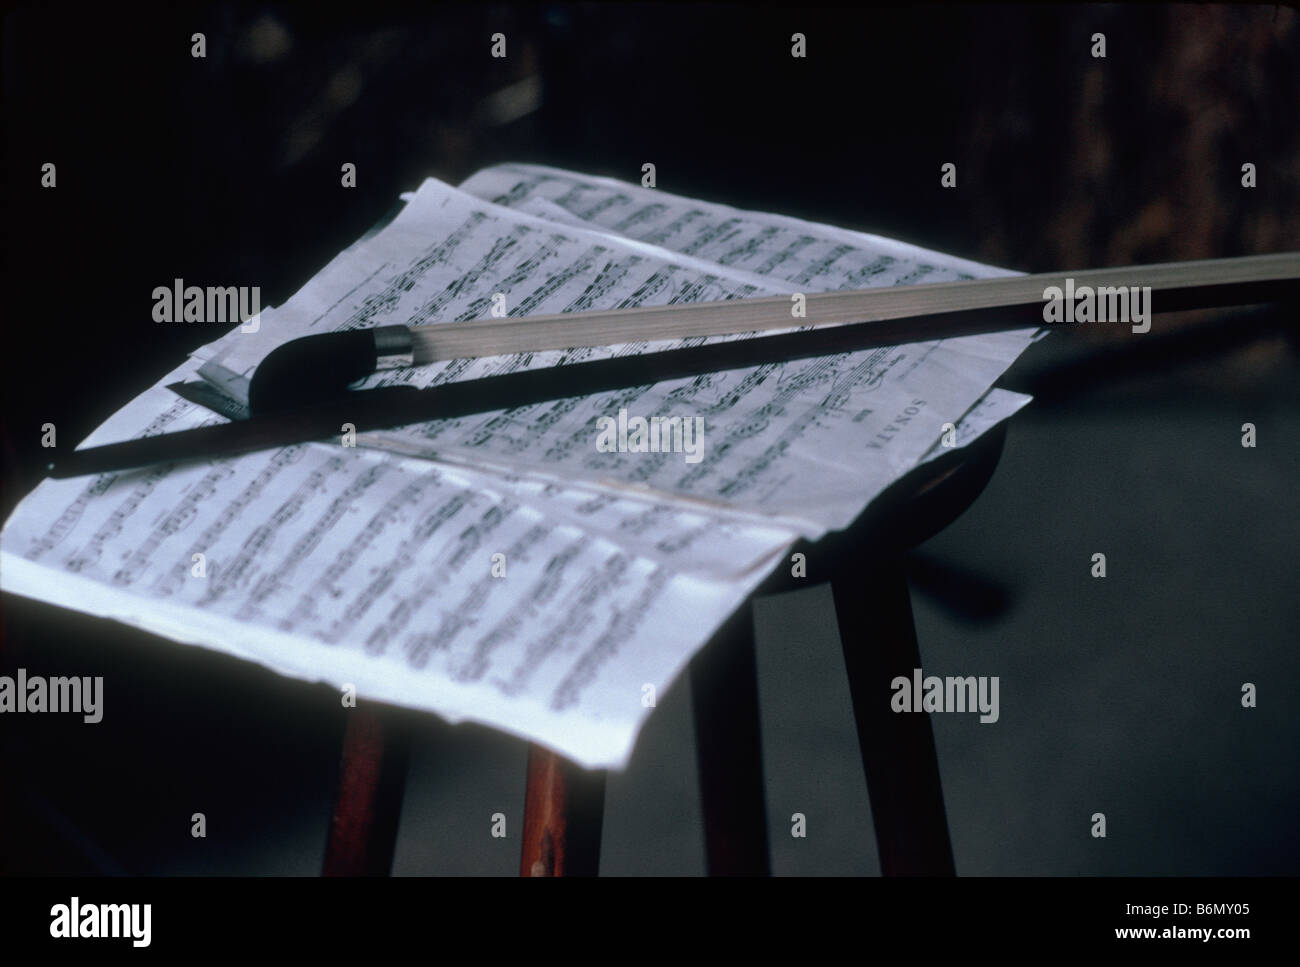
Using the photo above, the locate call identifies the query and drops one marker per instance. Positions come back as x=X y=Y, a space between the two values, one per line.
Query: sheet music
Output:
x=804 y=444
x=348 y=565
x=370 y=568
x=765 y=243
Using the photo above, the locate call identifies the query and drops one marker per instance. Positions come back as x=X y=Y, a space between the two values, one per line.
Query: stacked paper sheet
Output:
x=503 y=568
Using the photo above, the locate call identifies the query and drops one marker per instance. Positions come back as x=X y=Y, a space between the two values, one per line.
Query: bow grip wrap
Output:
x=312 y=369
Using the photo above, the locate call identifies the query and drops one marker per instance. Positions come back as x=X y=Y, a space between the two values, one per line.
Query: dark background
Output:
x=1118 y=695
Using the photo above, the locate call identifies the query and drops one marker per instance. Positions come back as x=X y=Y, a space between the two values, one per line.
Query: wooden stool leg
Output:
x=564 y=812
x=724 y=694
x=898 y=752
x=368 y=805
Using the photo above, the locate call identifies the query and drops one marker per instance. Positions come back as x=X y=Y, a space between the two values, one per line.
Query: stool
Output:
x=564 y=803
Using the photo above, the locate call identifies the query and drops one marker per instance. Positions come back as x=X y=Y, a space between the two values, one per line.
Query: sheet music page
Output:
x=522 y=578
x=805 y=444
x=348 y=565
x=765 y=243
